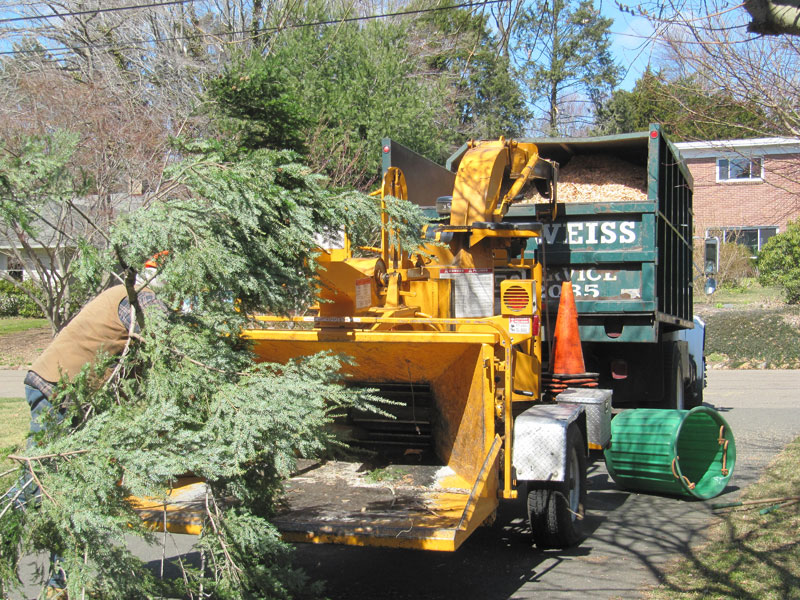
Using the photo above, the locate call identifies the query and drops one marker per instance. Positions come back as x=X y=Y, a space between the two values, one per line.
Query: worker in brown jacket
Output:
x=102 y=325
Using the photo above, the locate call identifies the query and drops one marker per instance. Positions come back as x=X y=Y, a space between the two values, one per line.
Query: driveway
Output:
x=632 y=536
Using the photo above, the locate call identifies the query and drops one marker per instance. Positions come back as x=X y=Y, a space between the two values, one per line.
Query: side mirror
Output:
x=711 y=285
x=711 y=256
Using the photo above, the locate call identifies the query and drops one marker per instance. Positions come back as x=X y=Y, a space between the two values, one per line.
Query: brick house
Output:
x=744 y=190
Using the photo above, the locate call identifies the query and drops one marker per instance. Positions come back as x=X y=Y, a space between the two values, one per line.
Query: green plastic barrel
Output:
x=680 y=452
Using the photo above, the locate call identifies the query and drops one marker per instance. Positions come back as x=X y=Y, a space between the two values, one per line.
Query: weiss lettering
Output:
x=627 y=234
x=550 y=233
x=591 y=228
x=609 y=235
x=590 y=232
x=574 y=231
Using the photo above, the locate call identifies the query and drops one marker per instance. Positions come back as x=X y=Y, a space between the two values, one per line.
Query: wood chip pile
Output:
x=601 y=178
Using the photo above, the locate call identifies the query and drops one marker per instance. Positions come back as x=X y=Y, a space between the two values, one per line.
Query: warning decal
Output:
x=363 y=293
x=473 y=291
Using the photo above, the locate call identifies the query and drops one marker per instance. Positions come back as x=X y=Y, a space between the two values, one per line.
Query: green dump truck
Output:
x=622 y=234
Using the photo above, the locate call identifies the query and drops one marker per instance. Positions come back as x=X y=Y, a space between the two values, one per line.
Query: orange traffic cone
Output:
x=567 y=352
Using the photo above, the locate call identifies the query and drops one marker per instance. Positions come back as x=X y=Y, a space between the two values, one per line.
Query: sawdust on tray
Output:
x=601 y=178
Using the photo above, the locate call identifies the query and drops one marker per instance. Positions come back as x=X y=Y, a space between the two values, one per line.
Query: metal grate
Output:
x=516 y=298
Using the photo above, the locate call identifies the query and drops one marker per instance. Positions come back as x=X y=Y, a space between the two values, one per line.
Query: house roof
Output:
x=748 y=147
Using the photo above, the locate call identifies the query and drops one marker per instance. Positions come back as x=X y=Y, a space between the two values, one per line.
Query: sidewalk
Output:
x=11 y=385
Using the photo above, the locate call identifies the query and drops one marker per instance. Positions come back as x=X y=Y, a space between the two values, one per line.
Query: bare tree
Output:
x=100 y=148
x=711 y=44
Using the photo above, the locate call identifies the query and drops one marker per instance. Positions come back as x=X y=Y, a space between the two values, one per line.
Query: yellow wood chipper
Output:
x=451 y=334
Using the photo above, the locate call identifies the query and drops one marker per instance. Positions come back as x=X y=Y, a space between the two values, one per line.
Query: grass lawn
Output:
x=749 y=292
x=17 y=324
x=14 y=424
x=752 y=555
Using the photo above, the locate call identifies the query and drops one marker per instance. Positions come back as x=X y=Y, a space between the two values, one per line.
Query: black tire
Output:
x=674 y=386
x=556 y=510
x=694 y=396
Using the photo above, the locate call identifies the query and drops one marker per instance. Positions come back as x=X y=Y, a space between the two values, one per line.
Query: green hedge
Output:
x=14 y=302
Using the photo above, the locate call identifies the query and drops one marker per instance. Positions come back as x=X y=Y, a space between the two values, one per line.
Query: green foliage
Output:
x=564 y=50
x=491 y=102
x=684 y=106
x=357 y=83
x=254 y=103
x=188 y=396
x=630 y=111
x=38 y=186
x=34 y=173
x=779 y=262
x=16 y=303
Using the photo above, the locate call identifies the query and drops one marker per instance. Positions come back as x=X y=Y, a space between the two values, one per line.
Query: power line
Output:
x=266 y=30
x=95 y=11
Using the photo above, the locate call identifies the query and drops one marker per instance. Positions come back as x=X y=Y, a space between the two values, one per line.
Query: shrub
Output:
x=14 y=302
x=735 y=265
x=779 y=262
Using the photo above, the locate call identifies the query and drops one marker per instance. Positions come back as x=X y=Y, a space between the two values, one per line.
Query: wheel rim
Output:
x=574 y=484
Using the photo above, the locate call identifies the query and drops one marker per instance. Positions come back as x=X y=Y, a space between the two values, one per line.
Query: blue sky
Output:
x=630 y=46
x=629 y=43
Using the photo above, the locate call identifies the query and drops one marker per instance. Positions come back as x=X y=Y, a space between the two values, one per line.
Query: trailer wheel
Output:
x=674 y=387
x=556 y=510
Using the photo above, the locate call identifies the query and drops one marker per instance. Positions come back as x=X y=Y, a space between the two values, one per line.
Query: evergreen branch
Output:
x=29 y=459
x=220 y=538
x=183 y=355
x=39 y=483
x=17 y=495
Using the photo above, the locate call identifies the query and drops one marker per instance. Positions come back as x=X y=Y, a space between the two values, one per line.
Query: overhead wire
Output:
x=143 y=44
x=79 y=13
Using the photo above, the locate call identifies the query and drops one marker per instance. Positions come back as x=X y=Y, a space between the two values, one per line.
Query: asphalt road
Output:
x=632 y=536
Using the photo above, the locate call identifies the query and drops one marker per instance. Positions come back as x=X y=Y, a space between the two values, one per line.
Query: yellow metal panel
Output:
x=527 y=375
x=183 y=508
x=477 y=185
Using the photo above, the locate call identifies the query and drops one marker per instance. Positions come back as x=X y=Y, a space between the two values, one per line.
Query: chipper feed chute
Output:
x=442 y=482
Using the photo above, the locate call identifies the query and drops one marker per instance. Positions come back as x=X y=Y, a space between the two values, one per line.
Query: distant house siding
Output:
x=773 y=201
x=10 y=265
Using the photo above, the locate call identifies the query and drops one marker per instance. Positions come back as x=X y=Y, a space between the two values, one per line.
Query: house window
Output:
x=740 y=169
x=752 y=237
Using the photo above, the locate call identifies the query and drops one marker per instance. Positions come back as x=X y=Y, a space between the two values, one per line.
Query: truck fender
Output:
x=695 y=339
x=540 y=440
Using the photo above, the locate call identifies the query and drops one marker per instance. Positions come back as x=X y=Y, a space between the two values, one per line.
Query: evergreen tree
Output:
x=687 y=111
x=563 y=52
x=490 y=100
x=359 y=83
x=187 y=395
